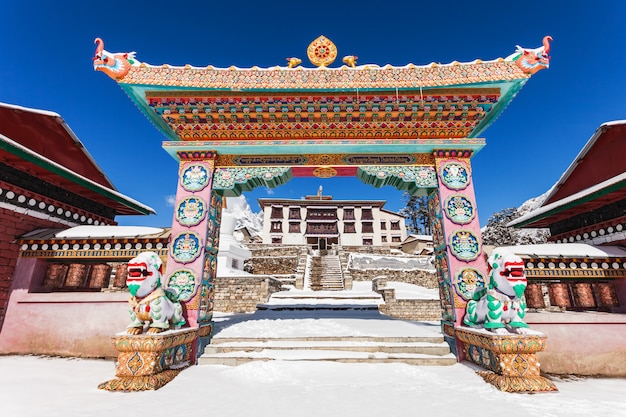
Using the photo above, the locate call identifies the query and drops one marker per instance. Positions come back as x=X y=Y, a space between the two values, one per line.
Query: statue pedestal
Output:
x=147 y=362
x=510 y=359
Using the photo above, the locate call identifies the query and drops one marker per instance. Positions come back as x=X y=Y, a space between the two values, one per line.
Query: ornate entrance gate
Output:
x=413 y=127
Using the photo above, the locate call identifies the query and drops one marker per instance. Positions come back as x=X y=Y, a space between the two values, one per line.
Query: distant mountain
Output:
x=496 y=232
x=239 y=207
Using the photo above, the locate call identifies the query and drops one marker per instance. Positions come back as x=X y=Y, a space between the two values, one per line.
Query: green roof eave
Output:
x=570 y=203
x=26 y=154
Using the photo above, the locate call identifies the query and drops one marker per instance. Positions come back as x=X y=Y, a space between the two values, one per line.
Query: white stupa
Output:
x=231 y=255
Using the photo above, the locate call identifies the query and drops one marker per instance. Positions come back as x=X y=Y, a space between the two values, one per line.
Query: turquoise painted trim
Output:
x=508 y=94
x=137 y=96
x=319 y=147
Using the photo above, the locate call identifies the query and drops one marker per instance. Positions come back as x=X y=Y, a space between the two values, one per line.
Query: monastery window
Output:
x=383 y=225
x=349 y=228
x=294 y=213
x=366 y=213
x=368 y=227
x=348 y=214
x=320 y=214
x=396 y=239
x=395 y=225
x=235 y=264
x=277 y=227
x=383 y=238
x=277 y=240
x=294 y=227
x=277 y=212
x=367 y=242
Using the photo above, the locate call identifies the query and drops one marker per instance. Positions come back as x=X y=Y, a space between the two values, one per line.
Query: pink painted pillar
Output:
x=192 y=254
x=457 y=239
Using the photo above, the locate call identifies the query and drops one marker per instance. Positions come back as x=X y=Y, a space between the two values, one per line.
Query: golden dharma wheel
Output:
x=322 y=52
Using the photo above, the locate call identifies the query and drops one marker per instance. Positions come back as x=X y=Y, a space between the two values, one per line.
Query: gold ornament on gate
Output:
x=322 y=52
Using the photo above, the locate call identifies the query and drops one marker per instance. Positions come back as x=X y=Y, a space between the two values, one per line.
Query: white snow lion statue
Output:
x=500 y=307
x=149 y=302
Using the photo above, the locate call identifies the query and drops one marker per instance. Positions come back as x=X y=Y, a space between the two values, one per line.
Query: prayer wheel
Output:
x=606 y=294
x=559 y=294
x=534 y=296
x=120 y=276
x=583 y=295
x=76 y=275
x=55 y=275
x=100 y=276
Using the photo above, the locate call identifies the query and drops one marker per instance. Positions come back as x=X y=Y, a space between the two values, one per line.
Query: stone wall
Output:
x=407 y=309
x=421 y=310
x=419 y=277
x=242 y=294
x=271 y=265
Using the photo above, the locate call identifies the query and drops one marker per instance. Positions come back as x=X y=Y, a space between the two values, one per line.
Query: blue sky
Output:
x=46 y=50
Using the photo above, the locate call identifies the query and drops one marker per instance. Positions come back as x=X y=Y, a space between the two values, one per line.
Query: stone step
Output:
x=316 y=307
x=426 y=348
x=237 y=358
x=375 y=339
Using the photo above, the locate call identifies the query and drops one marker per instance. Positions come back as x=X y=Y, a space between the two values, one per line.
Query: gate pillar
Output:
x=194 y=242
x=456 y=238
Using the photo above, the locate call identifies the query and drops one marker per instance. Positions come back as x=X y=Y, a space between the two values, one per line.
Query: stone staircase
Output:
x=418 y=350
x=325 y=326
x=326 y=273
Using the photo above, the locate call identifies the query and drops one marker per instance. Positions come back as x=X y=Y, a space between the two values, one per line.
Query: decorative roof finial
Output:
x=322 y=52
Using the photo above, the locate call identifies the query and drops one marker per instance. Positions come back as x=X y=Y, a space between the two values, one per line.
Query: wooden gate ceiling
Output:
x=351 y=111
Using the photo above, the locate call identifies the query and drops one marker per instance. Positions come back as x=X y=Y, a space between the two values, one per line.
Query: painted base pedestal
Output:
x=147 y=362
x=510 y=359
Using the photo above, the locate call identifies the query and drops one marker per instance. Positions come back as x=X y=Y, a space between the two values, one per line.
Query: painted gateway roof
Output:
x=364 y=109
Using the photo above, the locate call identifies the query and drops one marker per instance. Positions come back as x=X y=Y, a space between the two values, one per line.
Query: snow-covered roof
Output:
x=580 y=197
x=567 y=250
x=108 y=231
x=581 y=155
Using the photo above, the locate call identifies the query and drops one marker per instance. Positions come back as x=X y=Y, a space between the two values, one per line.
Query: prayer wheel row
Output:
x=77 y=275
x=572 y=295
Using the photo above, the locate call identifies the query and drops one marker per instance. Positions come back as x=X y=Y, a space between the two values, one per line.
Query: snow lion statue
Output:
x=149 y=302
x=500 y=306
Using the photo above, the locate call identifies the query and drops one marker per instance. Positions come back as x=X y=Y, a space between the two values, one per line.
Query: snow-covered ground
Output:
x=37 y=386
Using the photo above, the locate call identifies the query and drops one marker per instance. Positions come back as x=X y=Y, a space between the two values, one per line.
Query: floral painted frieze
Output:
x=233 y=181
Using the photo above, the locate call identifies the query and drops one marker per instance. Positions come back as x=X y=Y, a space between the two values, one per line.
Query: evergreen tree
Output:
x=416 y=214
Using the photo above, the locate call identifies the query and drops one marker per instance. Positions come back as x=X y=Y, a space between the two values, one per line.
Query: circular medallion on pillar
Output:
x=184 y=281
x=464 y=245
x=468 y=281
x=454 y=175
x=194 y=177
x=459 y=209
x=191 y=211
x=186 y=247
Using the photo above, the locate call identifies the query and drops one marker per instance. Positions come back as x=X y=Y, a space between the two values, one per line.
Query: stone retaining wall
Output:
x=421 y=310
x=419 y=277
x=271 y=265
x=242 y=294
